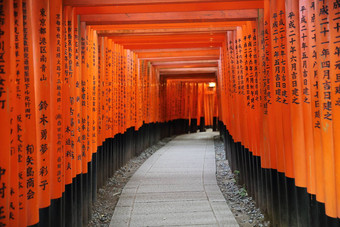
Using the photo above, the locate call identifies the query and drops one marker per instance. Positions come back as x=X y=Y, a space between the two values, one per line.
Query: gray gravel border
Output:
x=243 y=206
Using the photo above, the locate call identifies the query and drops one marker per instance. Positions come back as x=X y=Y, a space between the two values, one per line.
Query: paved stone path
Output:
x=176 y=186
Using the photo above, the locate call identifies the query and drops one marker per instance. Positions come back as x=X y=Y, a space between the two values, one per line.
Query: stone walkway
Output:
x=176 y=186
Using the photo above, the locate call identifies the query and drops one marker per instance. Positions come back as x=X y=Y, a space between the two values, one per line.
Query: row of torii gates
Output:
x=86 y=85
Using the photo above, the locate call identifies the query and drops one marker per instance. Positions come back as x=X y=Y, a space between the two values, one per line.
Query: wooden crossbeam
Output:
x=167 y=7
x=196 y=16
x=92 y=3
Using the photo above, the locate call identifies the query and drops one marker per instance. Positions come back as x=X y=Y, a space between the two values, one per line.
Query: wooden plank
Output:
x=130 y=2
x=206 y=53
x=197 y=16
x=173 y=49
x=136 y=47
x=185 y=62
x=186 y=65
x=168 y=7
x=169 y=38
x=188 y=70
x=179 y=31
x=129 y=28
x=167 y=59
x=190 y=76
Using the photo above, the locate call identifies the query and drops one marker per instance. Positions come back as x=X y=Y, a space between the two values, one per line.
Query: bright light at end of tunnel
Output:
x=212 y=84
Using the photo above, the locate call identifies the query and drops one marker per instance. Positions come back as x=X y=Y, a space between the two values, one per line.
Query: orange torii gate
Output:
x=86 y=85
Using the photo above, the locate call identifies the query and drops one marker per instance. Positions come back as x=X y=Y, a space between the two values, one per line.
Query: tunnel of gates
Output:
x=76 y=105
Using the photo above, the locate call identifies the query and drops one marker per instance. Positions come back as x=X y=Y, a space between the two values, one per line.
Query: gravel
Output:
x=242 y=206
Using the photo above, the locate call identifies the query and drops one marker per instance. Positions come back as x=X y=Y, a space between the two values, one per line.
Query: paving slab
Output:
x=176 y=186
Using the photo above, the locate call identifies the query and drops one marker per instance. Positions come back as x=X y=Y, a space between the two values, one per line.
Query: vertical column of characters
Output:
x=110 y=86
x=125 y=80
x=268 y=160
x=83 y=97
x=132 y=93
x=101 y=79
x=66 y=99
x=226 y=85
x=107 y=89
x=128 y=87
x=30 y=143
x=153 y=101
x=89 y=92
x=283 y=109
x=245 y=89
x=87 y=89
x=235 y=84
x=239 y=81
x=262 y=90
x=315 y=107
x=18 y=208
x=140 y=94
x=115 y=89
x=279 y=92
x=77 y=94
x=252 y=121
x=41 y=58
x=221 y=78
x=248 y=124
x=6 y=73
x=334 y=49
x=294 y=84
x=147 y=92
x=94 y=88
x=125 y=88
x=120 y=89
x=257 y=97
x=16 y=129
x=323 y=41
x=118 y=65
x=71 y=142
x=306 y=98
x=155 y=86
x=56 y=108
x=136 y=71
x=232 y=82
x=134 y=87
x=132 y=90
x=159 y=94
x=220 y=82
x=227 y=82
